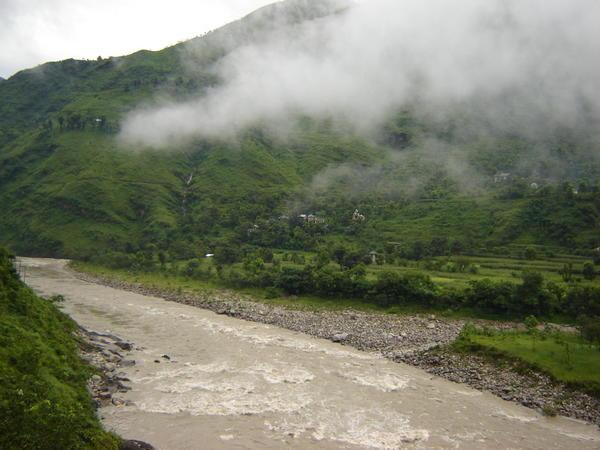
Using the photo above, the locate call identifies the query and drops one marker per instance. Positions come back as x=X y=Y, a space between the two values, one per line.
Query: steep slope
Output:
x=44 y=401
x=69 y=187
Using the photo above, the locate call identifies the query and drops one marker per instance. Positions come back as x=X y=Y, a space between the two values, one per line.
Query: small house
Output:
x=357 y=216
x=374 y=255
x=501 y=177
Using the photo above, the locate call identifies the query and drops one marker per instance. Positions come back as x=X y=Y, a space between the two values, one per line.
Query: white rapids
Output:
x=234 y=384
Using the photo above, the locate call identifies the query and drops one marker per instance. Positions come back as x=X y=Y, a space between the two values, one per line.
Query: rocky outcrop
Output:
x=107 y=353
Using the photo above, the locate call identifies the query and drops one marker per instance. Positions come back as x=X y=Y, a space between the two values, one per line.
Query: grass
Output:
x=491 y=267
x=44 y=402
x=564 y=357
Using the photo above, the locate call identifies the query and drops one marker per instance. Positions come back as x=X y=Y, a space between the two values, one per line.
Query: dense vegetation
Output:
x=559 y=288
x=69 y=188
x=44 y=402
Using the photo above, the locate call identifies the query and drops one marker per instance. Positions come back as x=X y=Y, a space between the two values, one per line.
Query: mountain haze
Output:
x=223 y=138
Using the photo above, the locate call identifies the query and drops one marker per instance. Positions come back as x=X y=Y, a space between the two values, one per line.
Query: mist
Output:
x=524 y=66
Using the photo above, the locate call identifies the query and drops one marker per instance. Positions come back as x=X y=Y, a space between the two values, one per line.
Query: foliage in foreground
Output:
x=44 y=403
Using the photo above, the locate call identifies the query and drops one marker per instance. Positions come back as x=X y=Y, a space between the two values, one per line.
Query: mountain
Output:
x=70 y=187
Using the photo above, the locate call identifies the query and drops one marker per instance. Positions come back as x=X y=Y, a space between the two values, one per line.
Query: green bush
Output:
x=590 y=329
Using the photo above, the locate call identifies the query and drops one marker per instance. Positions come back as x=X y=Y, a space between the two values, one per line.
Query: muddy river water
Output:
x=240 y=385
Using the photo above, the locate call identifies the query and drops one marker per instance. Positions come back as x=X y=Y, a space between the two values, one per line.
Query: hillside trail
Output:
x=232 y=384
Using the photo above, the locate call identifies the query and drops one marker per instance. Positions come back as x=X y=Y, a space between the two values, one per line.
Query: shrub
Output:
x=582 y=300
x=392 y=288
x=492 y=297
x=590 y=329
x=549 y=410
x=530 y=253
x=588 y=271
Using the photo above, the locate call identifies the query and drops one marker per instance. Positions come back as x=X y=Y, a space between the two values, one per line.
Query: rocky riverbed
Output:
x=420 y=341
x=108 y=354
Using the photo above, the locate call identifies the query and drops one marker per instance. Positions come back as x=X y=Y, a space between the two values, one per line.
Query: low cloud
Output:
x=516 y=65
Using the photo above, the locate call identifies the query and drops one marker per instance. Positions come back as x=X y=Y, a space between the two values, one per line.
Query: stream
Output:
x=232 y=384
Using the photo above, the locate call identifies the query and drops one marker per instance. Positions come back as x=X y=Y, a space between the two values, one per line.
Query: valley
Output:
x=324 y=224
x=234 y=383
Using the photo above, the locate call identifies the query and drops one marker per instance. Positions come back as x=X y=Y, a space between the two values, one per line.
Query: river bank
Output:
x=418 y=340
x=108 y=354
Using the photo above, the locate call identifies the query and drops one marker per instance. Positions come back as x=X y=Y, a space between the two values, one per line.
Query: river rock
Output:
x=124 y=346
x=340 y=337
x=135 y=445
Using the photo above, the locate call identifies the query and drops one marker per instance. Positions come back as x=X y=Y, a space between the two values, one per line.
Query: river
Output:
x=232 y=384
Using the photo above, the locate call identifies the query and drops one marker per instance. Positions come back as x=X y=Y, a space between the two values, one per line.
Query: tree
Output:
x=358 y=272
x=253 y=265
x=588 y=271
x=266 y=254
x=457 y=247
x=321 y=259
x=532 y=323
x=346 y=257
x=590 y=329
x=338 y=254
x=417 y=250
x=567 y=272
x=530 y=253
x=226 y=254
x=439 y=246
x=532 y=295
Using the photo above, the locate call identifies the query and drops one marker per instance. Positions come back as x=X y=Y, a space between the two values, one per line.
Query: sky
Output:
x=36 y=31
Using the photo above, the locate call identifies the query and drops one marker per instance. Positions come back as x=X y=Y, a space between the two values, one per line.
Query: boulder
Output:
x=135 y=445
x=340 y=337
x=124 y=346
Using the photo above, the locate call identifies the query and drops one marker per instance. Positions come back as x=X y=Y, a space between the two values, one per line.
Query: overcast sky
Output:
x=36 y=31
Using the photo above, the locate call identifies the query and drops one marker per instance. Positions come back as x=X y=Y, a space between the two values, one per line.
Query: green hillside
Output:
x=68 y=187
x=44 y=402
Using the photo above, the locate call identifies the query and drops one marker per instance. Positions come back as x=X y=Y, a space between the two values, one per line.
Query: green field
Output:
x=565 y=357
x=173 y=276
x=490 y=267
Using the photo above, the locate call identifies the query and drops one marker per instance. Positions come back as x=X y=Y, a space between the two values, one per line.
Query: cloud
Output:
x=523 y=65
x=35 y=31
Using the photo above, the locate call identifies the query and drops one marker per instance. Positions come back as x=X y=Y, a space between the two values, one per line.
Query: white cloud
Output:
x=523 y=62
x=35 y=31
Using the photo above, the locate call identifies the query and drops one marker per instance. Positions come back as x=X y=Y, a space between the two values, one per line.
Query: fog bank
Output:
x=518 y=65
